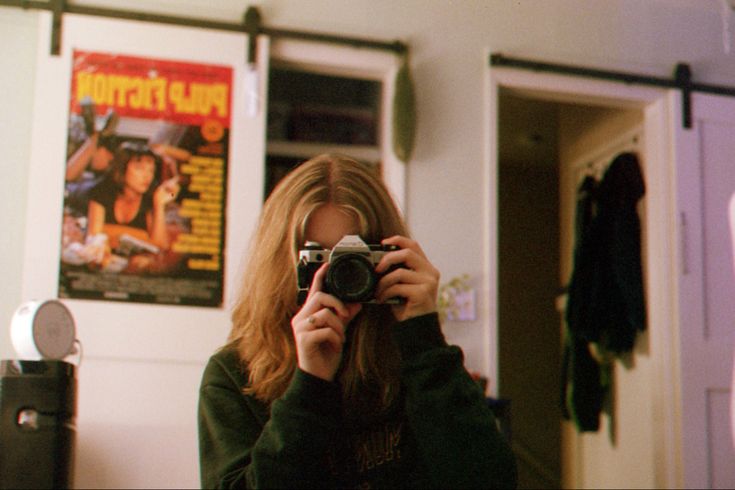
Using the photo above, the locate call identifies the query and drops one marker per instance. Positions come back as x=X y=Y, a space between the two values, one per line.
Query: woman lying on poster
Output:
x=126 y=212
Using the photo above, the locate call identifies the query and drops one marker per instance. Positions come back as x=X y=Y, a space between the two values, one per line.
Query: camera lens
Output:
x=351 y=278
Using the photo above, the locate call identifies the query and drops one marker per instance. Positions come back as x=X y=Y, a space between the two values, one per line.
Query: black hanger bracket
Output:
x=57 y=12
x=250 y=25
x=683 y=77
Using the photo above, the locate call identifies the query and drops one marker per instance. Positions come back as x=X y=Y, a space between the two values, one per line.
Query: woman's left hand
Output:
x=416 y=280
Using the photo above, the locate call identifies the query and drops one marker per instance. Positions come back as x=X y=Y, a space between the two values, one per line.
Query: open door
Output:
x=705 y=164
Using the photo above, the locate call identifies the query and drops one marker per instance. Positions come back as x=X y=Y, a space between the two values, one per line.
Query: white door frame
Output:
x=660 y=109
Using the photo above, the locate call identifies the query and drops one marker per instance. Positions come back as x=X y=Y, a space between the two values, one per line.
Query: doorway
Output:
x=545 y=147
x=528 y=278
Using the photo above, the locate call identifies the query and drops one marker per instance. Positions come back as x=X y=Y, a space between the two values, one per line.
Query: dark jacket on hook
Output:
x=606 y=304
x=581 y=392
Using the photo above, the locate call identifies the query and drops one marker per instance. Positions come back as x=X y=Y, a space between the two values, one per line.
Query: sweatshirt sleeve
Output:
x=241 y=446
x=455 y=430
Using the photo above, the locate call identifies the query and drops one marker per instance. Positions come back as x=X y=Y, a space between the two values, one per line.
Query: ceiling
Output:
x=527 y=129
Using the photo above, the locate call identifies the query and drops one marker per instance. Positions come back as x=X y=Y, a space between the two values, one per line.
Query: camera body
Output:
x=351 y=276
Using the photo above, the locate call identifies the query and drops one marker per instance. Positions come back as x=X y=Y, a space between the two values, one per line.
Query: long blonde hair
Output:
x=267 y=301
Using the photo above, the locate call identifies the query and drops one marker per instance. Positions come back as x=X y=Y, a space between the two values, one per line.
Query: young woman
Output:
x=127 y=196
x=334 y=395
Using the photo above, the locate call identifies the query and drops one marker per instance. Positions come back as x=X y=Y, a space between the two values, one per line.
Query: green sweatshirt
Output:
x=440 y=435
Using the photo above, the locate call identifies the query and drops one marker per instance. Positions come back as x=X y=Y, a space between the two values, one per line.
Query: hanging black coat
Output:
x=605 y=302
x=581 y=391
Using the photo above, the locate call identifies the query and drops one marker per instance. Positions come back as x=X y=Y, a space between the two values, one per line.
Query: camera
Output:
x=351 y=276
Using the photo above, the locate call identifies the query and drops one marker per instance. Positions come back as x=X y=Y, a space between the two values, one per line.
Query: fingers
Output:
x=327 y=318
x=318 y=346
x=409 y=255
x=167 y=191
x=316 y=299
x=414 y=266
x=319 y=330
x=403 y=243
x=172 y=187
x=414 y=278
x=324 y=319
x=318 y=280
x=413 y=286
x=323 y=311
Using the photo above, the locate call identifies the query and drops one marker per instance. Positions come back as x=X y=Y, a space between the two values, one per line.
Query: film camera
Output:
x=351 y=276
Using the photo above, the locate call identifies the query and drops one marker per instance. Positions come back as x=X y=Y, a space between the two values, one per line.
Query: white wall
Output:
x=18 y=52
x=446 y=196
x=142 y=363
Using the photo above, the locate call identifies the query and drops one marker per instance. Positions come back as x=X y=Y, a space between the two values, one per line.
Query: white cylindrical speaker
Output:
x=43 y=330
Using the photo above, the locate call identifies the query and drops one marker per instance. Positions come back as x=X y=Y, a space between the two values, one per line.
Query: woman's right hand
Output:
x=166 y=192
x=319 y=329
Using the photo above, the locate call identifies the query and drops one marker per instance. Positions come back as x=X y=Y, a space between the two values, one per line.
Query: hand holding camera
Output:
x=334 y=284
x=394 y=272
x=319 y=329
x=416 y=281
x=352 y=275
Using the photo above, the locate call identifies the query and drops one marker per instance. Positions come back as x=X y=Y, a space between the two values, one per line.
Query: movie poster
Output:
x=145 y=181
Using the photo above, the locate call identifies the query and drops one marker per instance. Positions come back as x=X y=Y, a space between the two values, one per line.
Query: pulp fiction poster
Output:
x=146 y=180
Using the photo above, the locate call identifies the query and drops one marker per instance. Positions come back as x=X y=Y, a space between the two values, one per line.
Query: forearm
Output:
x=290 y=452
x=239 y=449
x=162 y=196
x=157 y=228
x=95 y=218
x=456 y=431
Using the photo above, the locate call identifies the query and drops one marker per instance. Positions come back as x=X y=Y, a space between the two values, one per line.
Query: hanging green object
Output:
x=404 y=113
